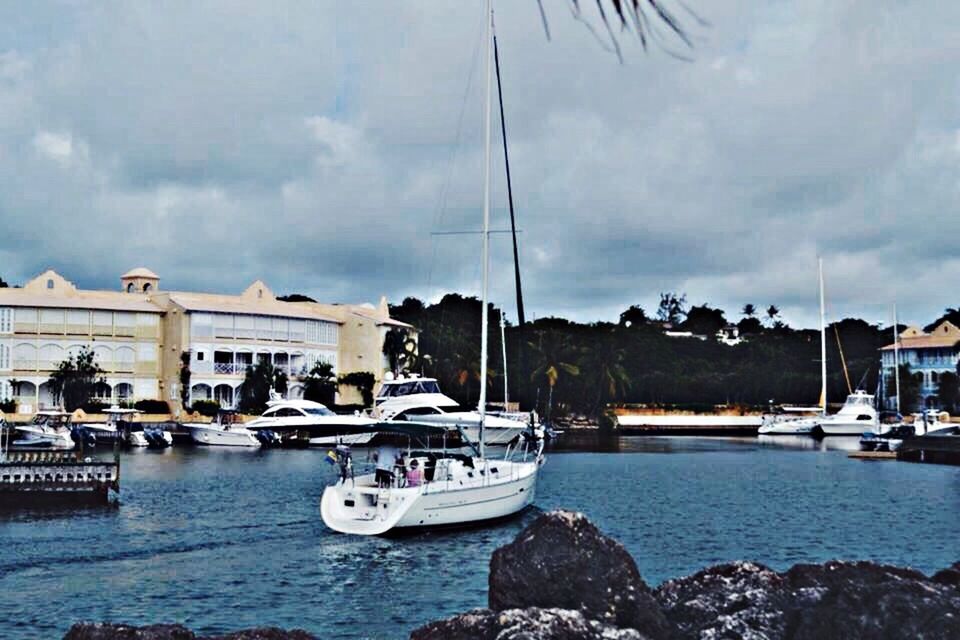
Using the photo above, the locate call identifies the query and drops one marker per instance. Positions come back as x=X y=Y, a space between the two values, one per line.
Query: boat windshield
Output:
x=409 y=388
x=319 y=411
x=859 y=401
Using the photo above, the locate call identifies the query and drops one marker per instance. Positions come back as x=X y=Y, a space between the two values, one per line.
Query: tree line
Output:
x=560 y=366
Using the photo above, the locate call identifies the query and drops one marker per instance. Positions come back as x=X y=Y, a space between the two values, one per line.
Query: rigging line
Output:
x=445 y=189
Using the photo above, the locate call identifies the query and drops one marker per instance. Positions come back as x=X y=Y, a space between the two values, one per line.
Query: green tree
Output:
x=603 y=362
x=748 y=310
x=75 y=380
x=281 y=381
x=295 y=297
x=948 y=391
x=320 y=384
x=394 y=347
x=672 y=307
x=635 y=316
x=185 y=375
x=704 y=320
x=3 y=284
x=257 y=384
x=554 y=355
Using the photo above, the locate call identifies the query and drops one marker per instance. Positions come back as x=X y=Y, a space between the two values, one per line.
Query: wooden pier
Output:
x=939 y=449
x=34 y=478
x=873 y=455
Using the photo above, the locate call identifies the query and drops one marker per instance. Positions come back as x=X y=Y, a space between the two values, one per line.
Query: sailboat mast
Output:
x=823 y=342
x=486 y=226
x=503 y=343
x=896 y=355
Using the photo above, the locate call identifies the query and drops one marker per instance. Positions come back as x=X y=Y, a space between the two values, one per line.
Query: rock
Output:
x=950 y=575
x=522 y=624
x=108 y=631
x=836 y=599
x=563 y=561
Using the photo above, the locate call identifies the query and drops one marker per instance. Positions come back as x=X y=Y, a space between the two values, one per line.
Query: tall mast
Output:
x=503 y=343
x=823 y=342
x=486 y=226
x=896 y=355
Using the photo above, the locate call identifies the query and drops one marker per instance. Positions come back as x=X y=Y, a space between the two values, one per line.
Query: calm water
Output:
x=221 y=540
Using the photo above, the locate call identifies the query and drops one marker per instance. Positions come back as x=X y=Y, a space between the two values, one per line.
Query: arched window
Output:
x=50 y=283
x=147 y=287
x=130 y=287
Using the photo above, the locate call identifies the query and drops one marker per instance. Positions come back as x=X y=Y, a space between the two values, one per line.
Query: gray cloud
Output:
x=316 y=145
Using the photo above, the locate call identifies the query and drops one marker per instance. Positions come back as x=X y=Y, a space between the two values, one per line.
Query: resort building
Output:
x=929 y=355
x=139 y=336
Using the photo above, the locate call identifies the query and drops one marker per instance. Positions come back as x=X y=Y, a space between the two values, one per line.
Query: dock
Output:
x=688 y=424
x=873 y=455
x=34 y=478
x=938 y=449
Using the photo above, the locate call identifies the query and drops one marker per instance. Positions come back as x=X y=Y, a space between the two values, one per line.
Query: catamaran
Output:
x=454 y=489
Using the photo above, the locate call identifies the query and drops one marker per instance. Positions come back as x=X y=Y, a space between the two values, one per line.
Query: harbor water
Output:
x=226 y=539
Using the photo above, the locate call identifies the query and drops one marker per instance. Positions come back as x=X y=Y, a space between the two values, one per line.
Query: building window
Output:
x=50 y=283
x=4 y=357
x=201 y=325
x=6 y=320
x=130 y=287
x=199 y=356
x=147 y=287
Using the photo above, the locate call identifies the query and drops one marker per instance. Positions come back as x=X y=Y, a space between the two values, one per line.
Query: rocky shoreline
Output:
x=561 y=578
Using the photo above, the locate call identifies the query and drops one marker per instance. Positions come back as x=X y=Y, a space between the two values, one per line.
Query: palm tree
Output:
x=605 y=362
x=772 y=314
x=553 y=356
x=394 y=347
x=749 y=310
x=637 y=16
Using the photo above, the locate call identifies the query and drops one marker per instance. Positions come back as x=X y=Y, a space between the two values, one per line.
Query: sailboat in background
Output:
x=455 y=489
x=784 y=424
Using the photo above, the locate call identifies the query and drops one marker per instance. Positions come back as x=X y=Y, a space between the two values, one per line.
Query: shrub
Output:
x=8 y=406
x=363 y=381
x=206 y=407
x=152 y=406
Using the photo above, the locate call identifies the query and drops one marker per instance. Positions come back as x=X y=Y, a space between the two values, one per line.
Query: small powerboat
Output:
x=225 y=431
x=49 y=430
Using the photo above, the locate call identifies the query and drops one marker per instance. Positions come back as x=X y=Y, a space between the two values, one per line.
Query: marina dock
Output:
x=32 y=478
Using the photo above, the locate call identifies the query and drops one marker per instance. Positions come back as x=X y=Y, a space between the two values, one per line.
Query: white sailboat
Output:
x=458 y=489
x=782 y=424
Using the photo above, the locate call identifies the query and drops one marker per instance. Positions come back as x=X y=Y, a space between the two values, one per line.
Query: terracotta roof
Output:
x=946 y=334
x=268 y=306
x=78 y=299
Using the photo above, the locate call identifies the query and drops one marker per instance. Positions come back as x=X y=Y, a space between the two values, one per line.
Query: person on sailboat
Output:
x=385 y=457
x=414 y=474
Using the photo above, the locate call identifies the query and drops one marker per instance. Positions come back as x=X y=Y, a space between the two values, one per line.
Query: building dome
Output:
x=140 y=272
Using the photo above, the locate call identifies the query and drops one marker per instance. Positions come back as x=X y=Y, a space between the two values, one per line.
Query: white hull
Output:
x=355 y=439
x=137 y=439
x=214 y=435
x=40 y=437
x=846 y=428
x=359 y=507
x=795 y=427
x=493 y=435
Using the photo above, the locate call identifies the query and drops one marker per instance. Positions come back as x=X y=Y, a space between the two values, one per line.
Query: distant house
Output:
x=729 y=335
x=684 y=334
x=929 y=354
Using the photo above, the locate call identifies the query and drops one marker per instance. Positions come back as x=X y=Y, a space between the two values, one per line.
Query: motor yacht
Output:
x=420 y=400
x=49 y=430
x=225 y=431
x=857 y=416
x=322 y=426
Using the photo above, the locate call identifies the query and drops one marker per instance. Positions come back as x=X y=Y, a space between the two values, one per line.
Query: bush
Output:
x=152 y=406
x=8 y=406
x=363 y=381
x=206 y=407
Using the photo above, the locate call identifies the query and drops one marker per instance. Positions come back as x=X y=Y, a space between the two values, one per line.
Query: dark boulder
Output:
x=950 y=575
x=108 y=631
x=522 y=624
x=563 y=561
x=831 y=600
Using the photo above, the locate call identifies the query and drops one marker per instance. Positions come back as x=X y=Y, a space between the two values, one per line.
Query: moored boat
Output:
x=224 y=431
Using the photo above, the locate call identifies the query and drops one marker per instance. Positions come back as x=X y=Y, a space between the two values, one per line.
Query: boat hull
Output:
x=205 y=435
x=364 y=510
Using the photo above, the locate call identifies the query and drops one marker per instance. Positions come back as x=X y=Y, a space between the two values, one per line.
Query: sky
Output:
x=322 y=146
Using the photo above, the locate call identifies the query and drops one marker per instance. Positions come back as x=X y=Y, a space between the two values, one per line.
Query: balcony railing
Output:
x=240 y=368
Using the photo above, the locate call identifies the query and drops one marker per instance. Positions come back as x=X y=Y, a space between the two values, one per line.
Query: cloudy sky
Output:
x=319 y=145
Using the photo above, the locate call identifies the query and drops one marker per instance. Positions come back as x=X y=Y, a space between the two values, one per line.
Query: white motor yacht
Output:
x=857 y=416
x=323 y=426
x=420 y=400
x=117 y=425
x=49 y=430
x=225 y=431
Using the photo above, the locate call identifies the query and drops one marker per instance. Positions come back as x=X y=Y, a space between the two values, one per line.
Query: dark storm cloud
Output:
x=317 y=146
